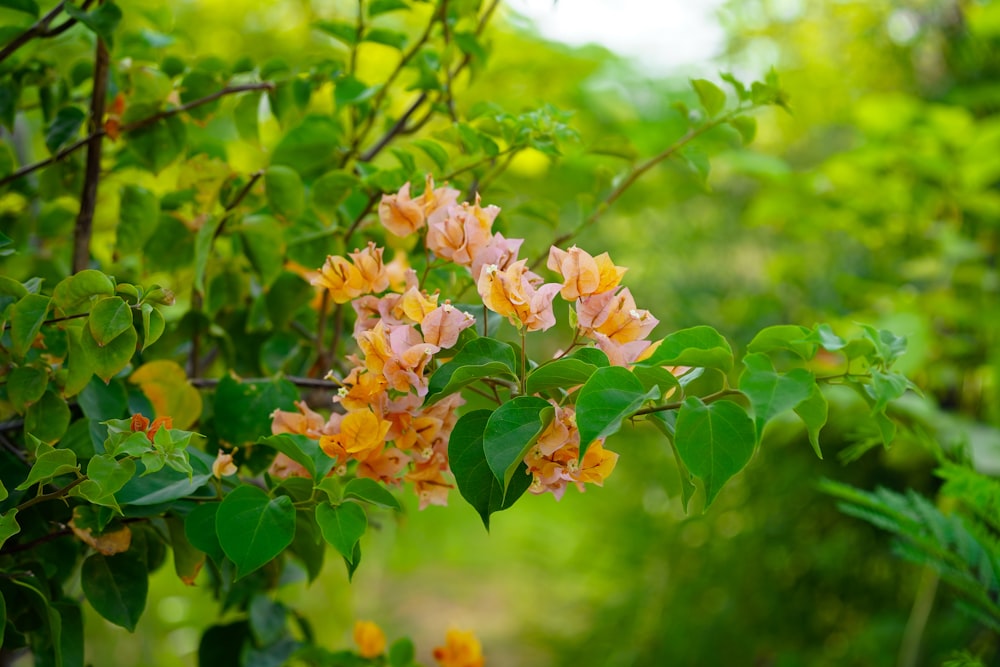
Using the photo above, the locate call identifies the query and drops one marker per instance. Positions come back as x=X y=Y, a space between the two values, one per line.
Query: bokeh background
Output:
x=876 y=199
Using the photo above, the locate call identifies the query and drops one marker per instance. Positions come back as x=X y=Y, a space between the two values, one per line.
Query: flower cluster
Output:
x=382 y=428
x=461 y=647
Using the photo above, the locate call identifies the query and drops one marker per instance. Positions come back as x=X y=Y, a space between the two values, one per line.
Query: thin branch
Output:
x=54 y=495
x=54 y=320
x=136 y=125
x=636 y=173
x=39 y=29
x=361 y=216
x=314 y=383
x=92 y=173
x=722 y=393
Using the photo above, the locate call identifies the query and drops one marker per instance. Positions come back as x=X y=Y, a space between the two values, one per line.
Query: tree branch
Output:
x=136 y=125
x=314 y=383
x=92 y=173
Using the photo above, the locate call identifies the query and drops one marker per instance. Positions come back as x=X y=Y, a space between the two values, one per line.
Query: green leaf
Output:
x=711 y=96
x=342 y=527
x=888 y=346
x=25 y=385
x=265 y=245
x=243 y=409
x=770 y=392
x=303 y=450
x=311 y=148
x=166 y=485
x=746 y=126
x=102 y=401
x=64 y=128
x=50 y=463
x=198 y=84
x=254 y=528
x=199 y=527
x=340 y=30
x=823 y=336
x=109 y=318
x=26 y=318
x=372 y=492
x=308 y=544
x=511 y=431
x=285 y=193
x=71 y=635
x=564 y=373
x=885 y=388
x=476 y=482
x=26 y=6
x=153 y=325
x=714 y=441
x=330 y=190
x=102 y=21
x=657 y=376
x=105 y=477
x=700 y=346
x=813 y=412
x=116 y=586
x=402 y=653
x=666 y=422
x=351 y=91
x=107 y=360
x=138 y=215
x=267 y=619
x=48 y=418
x=8 y=528
x=246 y=116
x=392 y=38
x=479 y=358
x=222 y=645
x=592 y=356
x=434 y=151
x=79 y=288
x=203 y=240
x=610 y=396
x=188 y=560
x=377 y=7
x=784 y=337
x=157 y=145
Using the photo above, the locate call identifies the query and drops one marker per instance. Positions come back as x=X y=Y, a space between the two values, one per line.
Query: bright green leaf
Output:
x=79 y=288
x=610 y=396
x=26 y=6
x=479 y=358
x=254 y=528
x=138 y=215
x=25 y=385
x=106 y=361
x=51 y=463
x=813 y=412
x=372 y=492
x=714 y=441
x=285 y=192
x=476 y=482
x=711 y=96
x=564 y=373
x=26 y=318
x=698 y=346
x=48 y=418
x=342 y=526
x=784 y=337
x=102 y=20
x=511 y=431
x=377 y=7
x=109 y=318
x=770 y=392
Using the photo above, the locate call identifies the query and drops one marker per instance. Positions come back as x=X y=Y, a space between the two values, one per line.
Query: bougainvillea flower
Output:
x=304 y=422
x=416 y=304
x=403 y=215
x=461 y=649
x=369 y=263
x=223 y=465
x=512 y=293
x=385 y=466
x=560 y=432
x=463 y=233
x=620 y=354
x=369 y=638
x=362 y=434
x=500 y=251
x=374 y=344
x=283 y=467
x=398 y=270
x=615 y=316
x=420 y=434
x=342 y=278
x=404 y=369
x=165 y=422
x=428 y=480
x=442 y=326
x=582 y=274
x=361 y=390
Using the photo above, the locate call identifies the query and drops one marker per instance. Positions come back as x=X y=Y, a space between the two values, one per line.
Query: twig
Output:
x=361 y=216
x=41 y=29
x=58 y=493
x=314 y=383
x=722 y=393
x=92 y=173
x=136 y=125
x=636 y=173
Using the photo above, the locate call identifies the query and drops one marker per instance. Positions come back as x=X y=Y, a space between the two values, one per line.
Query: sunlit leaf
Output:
x=714 y=441
x=610 y=396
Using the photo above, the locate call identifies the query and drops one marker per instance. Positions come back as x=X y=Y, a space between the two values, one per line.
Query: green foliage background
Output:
x=875 y=200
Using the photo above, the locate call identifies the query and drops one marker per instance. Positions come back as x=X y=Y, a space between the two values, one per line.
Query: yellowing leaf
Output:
x=165 y=385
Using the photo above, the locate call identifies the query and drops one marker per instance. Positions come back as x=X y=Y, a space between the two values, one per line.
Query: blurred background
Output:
x=874 y=200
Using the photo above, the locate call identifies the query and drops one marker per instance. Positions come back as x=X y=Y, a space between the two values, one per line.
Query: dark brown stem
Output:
x=92 y=172
x=314 y=383
x=54 y=320
x=15 y=548
x=722 y=393
x=40 y=29
x=58 y=493
x=139 y=124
